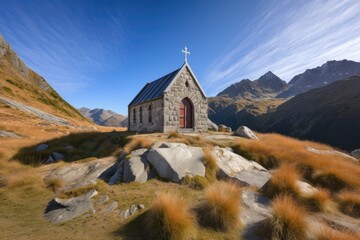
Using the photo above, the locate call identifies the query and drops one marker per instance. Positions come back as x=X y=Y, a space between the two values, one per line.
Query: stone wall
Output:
x=157 y=121
x=185 y=86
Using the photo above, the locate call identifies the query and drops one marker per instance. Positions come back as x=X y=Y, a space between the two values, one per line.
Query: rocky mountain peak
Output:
x=327 y=73
x=11 y=59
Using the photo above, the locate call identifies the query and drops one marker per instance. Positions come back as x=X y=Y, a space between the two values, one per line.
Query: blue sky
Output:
x=101 y=53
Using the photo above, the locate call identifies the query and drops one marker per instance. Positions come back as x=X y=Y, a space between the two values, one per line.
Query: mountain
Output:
x=268 y=85
x=321 y=76
x=237 y=111
x=329 y=114
x=241 y=102
x=22 y=86
x=104 y=117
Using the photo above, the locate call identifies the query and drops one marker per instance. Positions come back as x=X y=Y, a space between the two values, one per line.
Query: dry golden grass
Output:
x=195 y=182
x=211 y=167
x=169 y=218
x=287 y=221
x=320 y=200
x=283 y=181
x=136 y=143
x=220 y=207
x=327 y=233
x=331 y=171
x=54 y=185
x=349 y=202
x=174 y=135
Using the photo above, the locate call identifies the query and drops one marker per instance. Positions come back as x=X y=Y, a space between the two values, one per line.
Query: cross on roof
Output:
x=186 y=52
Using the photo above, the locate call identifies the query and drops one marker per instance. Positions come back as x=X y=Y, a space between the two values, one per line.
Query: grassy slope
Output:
x=27 y=90
x=24 y=199
x=329 y=114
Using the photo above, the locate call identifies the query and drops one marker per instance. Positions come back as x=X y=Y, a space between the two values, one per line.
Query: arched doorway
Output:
x=186 y=113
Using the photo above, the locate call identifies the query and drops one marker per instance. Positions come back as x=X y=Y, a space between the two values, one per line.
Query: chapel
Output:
x=174 y=102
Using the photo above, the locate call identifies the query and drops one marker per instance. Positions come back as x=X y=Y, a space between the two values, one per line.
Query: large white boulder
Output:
x=232 y=165
x=244 y=131
x=135 y=166
x=177 y=162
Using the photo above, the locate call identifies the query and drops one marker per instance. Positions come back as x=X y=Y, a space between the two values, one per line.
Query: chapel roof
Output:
x=156 y=88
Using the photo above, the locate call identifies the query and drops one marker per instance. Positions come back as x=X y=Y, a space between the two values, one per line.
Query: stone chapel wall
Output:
x=157 y=117
x=172 y=99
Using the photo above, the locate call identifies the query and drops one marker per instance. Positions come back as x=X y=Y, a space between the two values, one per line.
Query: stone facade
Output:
x=185 y=86
x=156 y=121
x=165 y=111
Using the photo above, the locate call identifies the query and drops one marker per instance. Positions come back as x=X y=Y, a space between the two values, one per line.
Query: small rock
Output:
x=102 y=199
x=57 y=156
x=141 y=206
x=245 y=132
x=50 y=160
x=69 y=148
x=125 y=213
x=133 y=209
x=110 y=207
x=41 y=147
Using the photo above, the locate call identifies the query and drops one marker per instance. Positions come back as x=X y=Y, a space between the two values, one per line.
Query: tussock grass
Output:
x=330 y=171
x=136 y=143
x=195 y=182
x=349 y=202
x=327 y=233
x=220 y=207
x=283 y=181
x=320 y=200
x=287 y=221
x=174 y=135
x=169 y=218
x=211 y=167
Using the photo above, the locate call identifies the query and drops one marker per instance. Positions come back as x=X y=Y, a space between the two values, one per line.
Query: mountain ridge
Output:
x=268 y=85
x=104 y=117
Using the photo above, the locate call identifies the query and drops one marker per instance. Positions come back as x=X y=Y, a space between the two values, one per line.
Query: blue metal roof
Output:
x=154 y=89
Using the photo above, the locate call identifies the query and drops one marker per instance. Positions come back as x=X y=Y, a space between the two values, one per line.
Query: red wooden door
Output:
x=186 y=114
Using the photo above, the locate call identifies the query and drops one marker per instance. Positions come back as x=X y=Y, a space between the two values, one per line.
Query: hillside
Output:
x=329 y=114
x=321 y=76
x=104 y=117
x=237 y=111
x=20 y=84
x=268 y=85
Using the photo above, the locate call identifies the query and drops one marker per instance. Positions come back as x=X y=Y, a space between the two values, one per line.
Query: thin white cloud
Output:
x=288 y=37
x=63 y=42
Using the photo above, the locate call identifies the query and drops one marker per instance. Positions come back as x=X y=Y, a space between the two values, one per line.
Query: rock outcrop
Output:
x=63 y=210
x=135 y=166
x=177 y=162
x=234 y=166
x=244 y=131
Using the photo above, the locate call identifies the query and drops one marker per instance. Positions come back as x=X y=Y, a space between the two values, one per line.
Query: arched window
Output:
x=150 y=114
x=134 y=116
x=140 y=110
